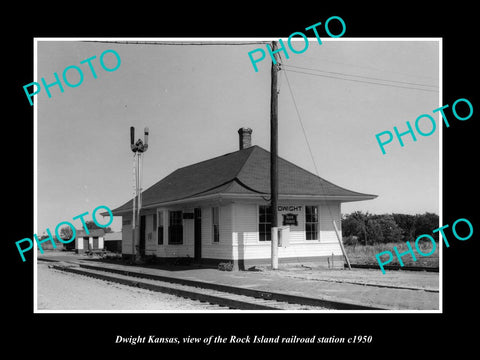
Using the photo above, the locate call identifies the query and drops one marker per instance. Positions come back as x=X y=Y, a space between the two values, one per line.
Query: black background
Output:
x=85 y=334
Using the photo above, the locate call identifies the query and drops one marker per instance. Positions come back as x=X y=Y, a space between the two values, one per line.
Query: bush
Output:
x=387 y=228
x=225 y=266
x=350 y=240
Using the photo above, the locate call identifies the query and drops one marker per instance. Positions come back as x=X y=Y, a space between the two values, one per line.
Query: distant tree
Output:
x=426 y=223
x=350 y=230
x=391 y=232
x=66 y=232
x=374 y=230
x=355 y=224
x=407 y=223
x=91 y=225
x=351 y=226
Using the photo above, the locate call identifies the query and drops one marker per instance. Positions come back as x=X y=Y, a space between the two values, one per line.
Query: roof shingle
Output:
x=244 y=172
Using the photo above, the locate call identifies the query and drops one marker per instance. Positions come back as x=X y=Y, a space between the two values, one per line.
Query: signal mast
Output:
x=138 y=149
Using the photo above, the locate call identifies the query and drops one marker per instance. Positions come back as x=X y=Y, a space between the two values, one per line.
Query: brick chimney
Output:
x=245 y=137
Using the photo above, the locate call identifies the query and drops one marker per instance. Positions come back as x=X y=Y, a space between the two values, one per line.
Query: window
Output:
x=265 y=223
x=215 y=224
x=175 y=227
x=311 y=222
x=159 y=228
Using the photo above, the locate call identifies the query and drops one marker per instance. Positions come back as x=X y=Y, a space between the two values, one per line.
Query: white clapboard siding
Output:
x=127 y=234
x=246 y=244
x=150 y=235
x=245 y=229
x=179 y=250
x=239 y=238
x=305 y=250
x=162 y=217
x=222 y=249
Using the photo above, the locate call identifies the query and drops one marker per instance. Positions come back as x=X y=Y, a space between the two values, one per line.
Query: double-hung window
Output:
x=311 y=222
x=215 y=224
x=265 y=223
x=160 y=228
x=175 y=227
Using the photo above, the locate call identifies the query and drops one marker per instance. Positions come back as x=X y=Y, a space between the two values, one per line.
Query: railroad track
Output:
x=216 y=294
x=397 y=267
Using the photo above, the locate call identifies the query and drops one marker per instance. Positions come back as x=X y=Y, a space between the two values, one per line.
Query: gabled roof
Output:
x=92 y=232
x=241 y=173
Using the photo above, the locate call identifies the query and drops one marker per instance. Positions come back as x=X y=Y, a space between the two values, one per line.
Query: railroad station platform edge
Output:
x=292 y=283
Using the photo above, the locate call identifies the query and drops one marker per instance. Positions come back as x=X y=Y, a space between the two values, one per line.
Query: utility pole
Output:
x=274 y=154
x=138 y=149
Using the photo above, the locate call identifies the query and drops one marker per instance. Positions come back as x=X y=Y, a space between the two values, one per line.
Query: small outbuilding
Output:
x=218 y=210
x=93 y=240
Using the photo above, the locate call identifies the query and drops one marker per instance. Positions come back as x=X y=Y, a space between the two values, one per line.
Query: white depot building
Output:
x=218 y=210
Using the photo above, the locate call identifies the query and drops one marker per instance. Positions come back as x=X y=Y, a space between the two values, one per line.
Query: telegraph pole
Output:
x=274 y=154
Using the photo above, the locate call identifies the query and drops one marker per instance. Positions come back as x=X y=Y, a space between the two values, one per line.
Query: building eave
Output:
x=252 y=197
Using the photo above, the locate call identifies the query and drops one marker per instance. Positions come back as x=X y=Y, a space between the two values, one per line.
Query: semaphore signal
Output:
x=138 y=149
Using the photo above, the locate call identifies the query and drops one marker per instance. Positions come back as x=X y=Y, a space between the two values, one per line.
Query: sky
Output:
x=194 y=98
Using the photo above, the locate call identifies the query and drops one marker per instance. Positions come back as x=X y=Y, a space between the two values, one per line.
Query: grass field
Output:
x=365 y=254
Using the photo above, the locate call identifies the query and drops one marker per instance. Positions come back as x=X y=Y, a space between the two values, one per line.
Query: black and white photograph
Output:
x=181 y=158
x=302 y=182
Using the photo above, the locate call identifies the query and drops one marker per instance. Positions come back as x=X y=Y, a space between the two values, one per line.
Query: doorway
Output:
x=86 y=244
x=197 y=248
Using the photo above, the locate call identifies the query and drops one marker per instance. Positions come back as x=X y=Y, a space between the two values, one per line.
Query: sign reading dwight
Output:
x=296 y=208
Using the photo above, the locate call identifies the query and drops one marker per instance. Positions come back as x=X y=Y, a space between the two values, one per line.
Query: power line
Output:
x=361 y=76
x=377 y=69
x=308 y=143
x=301 y=123
x=363 y=81
x=179 y=43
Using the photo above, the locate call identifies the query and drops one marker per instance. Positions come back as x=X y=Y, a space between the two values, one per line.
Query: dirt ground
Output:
x=310 y=271
x=65 y=291
x=415 y=290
